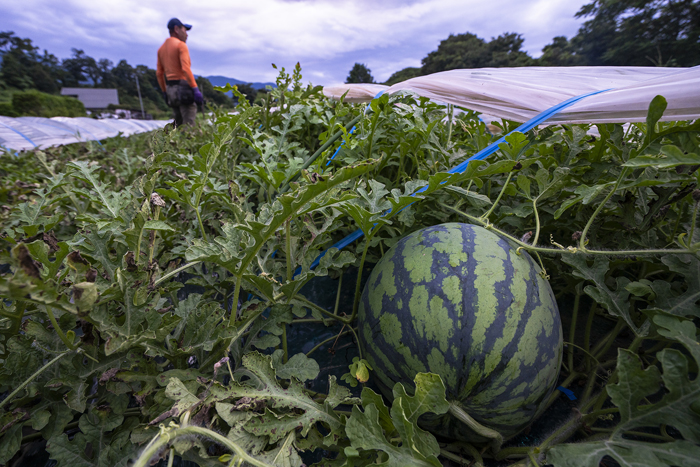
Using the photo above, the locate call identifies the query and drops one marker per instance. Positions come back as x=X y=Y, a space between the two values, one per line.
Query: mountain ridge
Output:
x=218 y=80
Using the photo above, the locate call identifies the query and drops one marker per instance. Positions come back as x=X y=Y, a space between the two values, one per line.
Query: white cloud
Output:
x=229 y=37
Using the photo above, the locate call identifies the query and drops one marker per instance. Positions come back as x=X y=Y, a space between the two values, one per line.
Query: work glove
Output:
x=165 y=96
x=198 y=98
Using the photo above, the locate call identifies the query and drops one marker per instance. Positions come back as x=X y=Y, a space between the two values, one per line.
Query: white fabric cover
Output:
x=522 y=93
x=36 y=132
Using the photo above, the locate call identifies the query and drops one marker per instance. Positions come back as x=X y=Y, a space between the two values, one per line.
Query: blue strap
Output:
x=20 y=133
x=567 y=392
x=493 y=147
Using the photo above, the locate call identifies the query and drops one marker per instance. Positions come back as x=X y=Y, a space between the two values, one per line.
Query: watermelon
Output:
x=457 y=300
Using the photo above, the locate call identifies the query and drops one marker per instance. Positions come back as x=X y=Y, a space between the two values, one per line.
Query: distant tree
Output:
x=469 y=51
x=506 y=51
x=104 y=67
x=211 y=94
x=23 y=67
x=560 y=52
x=403 y=75
x=248 y=91
x=360 y=74
x=639 y=33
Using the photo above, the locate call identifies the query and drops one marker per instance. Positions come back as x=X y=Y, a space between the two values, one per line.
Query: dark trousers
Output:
x=184 y=114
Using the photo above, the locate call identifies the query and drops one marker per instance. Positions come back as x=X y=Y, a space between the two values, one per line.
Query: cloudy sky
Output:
x=240 y=39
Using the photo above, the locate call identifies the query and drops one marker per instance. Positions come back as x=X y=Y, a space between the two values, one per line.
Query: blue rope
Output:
x=483 y=154
x=20 y=133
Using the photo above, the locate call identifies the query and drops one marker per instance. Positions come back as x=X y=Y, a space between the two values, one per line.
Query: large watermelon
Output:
x=456 y=300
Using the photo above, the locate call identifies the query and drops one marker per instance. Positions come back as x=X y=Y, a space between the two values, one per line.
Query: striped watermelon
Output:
x=456 y=300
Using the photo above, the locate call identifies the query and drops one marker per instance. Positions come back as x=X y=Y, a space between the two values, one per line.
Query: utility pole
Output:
x=138 y=89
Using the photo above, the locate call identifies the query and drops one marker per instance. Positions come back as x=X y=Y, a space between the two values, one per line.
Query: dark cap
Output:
x=176 y=22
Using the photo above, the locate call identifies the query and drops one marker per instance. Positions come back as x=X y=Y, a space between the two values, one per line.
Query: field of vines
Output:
x=159 y=294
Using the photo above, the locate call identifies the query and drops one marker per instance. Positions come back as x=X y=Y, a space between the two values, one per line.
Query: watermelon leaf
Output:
x=684 y=303
x=366 y=430
x=677 y=408
x=671 y=156
x=284 y=404
x=626 y=452
x=103 y=440
x=300 y=366
x=366 y=433
x=615 y=301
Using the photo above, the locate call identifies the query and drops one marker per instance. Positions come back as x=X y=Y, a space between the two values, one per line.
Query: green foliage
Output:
x=639 y=33
x=403 y=75
x=359 y=73
x=469 y=51
x=7 y=110
x=100 y=349
x=38 y=104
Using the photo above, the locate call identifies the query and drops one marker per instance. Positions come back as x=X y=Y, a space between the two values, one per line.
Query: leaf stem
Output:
x=312 y=305
x=170 y=435
x=337 y=295
x=572 y=329
x=201 y=226
x=175 y=272
x=537 y=223
x=582 y=241
x=692 y=225
x=587 y=334
x=236 y=293
x=33 y=376
x=515 y=451
x=171 y=458
x=358 y=285
x=495 y=437
x=478 y=460
x=288 y=246
x=603 y=345
x=581 y=349
x=500 y=195
x=58 y=329
x=532 y=459
x=570 y=250
x=334 y=337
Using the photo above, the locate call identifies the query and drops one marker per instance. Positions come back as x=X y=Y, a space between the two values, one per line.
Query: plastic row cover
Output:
x=36 y=132
x=522 y=93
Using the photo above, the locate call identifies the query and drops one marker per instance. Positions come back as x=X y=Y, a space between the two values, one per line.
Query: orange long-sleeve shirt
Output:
x=174 y=62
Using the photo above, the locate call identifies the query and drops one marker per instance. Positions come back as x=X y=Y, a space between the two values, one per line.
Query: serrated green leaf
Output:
x=10 y=443
x=626 y=453
x=615 y=301
x=268 y=389
x=365 y=432
x=158 y=225
x=668 y=298
x=298 y=366
x=338 y=394
x=671 y=156
x=107 y=436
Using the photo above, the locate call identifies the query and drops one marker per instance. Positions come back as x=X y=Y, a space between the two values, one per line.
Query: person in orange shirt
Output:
x=175 y=76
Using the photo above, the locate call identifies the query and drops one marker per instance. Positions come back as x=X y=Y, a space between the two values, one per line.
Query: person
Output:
x=175 y=76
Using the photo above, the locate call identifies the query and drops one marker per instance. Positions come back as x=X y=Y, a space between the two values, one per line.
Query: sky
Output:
x=241 y=39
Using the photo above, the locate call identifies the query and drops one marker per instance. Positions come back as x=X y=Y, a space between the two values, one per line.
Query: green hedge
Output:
x=38 y=104
x=7 y=110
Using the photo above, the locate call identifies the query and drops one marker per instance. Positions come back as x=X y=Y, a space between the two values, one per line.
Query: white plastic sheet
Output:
x=36 y=132
x=522 y=93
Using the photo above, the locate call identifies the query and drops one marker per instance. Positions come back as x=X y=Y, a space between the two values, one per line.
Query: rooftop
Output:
x=93 y=98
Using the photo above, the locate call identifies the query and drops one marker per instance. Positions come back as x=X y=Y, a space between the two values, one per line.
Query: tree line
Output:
x=24 y=67
x=616 y=33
